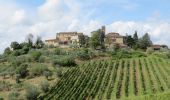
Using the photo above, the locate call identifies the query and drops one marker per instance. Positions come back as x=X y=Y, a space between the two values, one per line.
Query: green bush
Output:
x=13 y=95
x=45 y=86
x=22 y=70
x=124 y=53
x=64 y=61
x=48 y=74
x=32 y=92
x=59 y=72
x=42 y=59
x=83 y=54
x=5 y=86
x=35 y=55
x=16 y=53
x=38 y=69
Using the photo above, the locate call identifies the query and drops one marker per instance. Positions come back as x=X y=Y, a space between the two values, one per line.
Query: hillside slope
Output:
x=119 y=79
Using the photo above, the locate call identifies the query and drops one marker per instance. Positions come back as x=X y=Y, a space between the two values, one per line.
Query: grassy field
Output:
x=136 y=78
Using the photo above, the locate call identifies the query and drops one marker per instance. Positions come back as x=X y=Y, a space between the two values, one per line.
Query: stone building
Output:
x=114 y=38
x=65 y=39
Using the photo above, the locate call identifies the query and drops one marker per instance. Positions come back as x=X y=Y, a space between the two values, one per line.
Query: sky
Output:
x=45 y=18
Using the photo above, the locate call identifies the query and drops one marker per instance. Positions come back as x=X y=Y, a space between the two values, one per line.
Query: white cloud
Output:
x=159 y=32
x=68 y=15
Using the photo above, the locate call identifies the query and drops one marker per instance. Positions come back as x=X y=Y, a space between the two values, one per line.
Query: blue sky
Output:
x=47 y=17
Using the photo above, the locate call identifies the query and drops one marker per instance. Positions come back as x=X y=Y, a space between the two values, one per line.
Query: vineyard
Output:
x=114 y=79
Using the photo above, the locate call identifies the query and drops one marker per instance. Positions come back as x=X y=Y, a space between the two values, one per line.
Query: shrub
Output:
x=45 y=86
x=149 y=50
x=42 y=59
x=24 y=50
x=59 y=72
x=83 y=54
x=168 y=54
x=22 y=70
x=64 y=61
x=32 y=92
x=17 y=78
x=58 y=51
x=16 y=53
x=38 y=69
x=5 y=86
x=35 y=55
x=47 y=74
x=13 y=95
x=7 y=51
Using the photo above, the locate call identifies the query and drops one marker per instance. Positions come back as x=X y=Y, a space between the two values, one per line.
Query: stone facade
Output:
x=114 y=38
x=65 y=39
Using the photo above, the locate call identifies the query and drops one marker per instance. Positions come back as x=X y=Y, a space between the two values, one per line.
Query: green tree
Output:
x=136 y=40
x=15 y=45
x=145 y=42
x=82 y=41
x=7 y=51
x=135 y=37
x=130 y=41
x=29 y=40
x=39 y=43
x=95 y=39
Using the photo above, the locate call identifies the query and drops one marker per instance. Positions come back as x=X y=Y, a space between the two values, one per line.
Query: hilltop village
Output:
x=76 y=39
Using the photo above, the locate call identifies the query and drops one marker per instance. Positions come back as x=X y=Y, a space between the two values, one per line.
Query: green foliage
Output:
x=32 y=92
x=145 y=42
x=16 y=53
x=83 y=54
x=29 y=40
x=22 y=70
x=35 y=55
x=149 y=50
x=45 y=86
x=48 y=74
x=5 y=86
x=15 y=46
x=39 y=43
x=59 y=72
x=24 y=50
x=58 y=51
x=95 y=39
x=125 y=53
x=38 y=69
x=130 y=41
x=17 y=79
x=135 y=37
x=64 y=61
x=7 y=51
x=13 y=95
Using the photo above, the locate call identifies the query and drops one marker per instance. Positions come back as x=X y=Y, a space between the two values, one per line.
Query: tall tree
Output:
x=129 y=41
x=39 y=43
x=145 y=41
x=135 y=37
x=95 y=39
x=102 y=36
x=29 y=40
x=82 y=41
